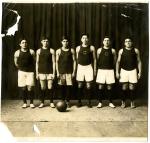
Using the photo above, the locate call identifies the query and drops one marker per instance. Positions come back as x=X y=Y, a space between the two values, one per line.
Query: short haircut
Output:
x=44 y=38
x=128 y=38
x=64 y=37
x=22 y=38
x=85 y=34
x=107 y=37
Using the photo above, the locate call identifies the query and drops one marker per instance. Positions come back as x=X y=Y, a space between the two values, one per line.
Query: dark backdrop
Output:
x=117 y=20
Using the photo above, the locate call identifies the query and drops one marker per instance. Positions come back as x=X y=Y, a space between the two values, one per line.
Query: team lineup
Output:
x=85 y=64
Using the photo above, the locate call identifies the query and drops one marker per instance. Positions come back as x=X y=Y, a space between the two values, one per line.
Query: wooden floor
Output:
x=84 y=123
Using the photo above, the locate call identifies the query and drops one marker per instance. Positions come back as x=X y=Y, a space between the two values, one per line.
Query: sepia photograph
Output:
x=74 y=71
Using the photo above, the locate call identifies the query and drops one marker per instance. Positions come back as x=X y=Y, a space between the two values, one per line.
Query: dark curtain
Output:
x=117 y=20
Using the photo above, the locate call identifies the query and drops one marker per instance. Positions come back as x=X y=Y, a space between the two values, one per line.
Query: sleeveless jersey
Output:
x=26 y=61
x=45 y=62
x=84 y=56
x=128 y=59
x=65 y=63
x=105 y=60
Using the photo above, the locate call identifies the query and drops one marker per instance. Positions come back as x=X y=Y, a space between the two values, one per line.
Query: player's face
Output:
x=84 y=39
x=23 y=44
x=44 y=43
x=128 y=43
x=64 y=43
x=106 y=42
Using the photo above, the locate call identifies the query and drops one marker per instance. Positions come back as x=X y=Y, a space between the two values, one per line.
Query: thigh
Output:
x=124 y=76
x=43 y=84
x=68 y=79
x=62 y=79
x=89 y=73
x=21 y=79
x=42 y=76
x=30 y=79
x=50 y=84
x=80 y=73
x=100 y=79
x=110 y=77
x=133 y=76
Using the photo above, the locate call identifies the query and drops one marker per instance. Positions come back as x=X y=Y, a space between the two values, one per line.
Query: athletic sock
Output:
x=80 y=92
x=68 y=93
x=109 y=94
x=50 y=95
x=63 y=92
x=89 y=96
x=132 y=95
x=23 y=95
x=31 y=96
x=124 y=95
x=100 y=94
x=42 y=97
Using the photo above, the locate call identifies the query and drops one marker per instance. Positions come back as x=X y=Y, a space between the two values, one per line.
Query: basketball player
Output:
x=45 y=70
x=106 y=63
x=129 y=63
x=24 y=60
x=86 y=62
x=65 y=67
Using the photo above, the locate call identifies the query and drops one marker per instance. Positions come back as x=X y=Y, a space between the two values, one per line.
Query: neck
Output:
x=24 y=49
x=44 y=47
x=128 y=48
x=106 y=47
x=65 y=48
x=84 y=45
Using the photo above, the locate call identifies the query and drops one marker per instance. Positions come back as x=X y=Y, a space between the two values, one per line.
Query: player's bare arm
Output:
x=16 y=55
x=77 y=51
x=139 y=63
x=74 y=62
x=53 y=60
x=98 y=52
x=57 y=59
x=94 y=58
x=37 y=62
x=114 y=55
x=118 y=63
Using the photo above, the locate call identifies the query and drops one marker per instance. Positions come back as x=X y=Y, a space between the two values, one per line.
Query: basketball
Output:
x=61 y=106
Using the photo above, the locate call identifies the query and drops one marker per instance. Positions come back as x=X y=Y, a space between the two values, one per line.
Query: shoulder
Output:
x=113 y=50
x=72 y=50
x=38 y=51
x=99 y=50
x=58 y=51
x=77 y=48
x=52 y=51
x=32 y=52
x=120 y=51
x=136 y=50
x=92 y=48
x=17 y=53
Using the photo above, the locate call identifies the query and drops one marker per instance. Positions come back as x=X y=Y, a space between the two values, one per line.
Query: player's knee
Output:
x=80 y=85
x=124 y=87
x=88 y=85
x=23 y=88
x=131 y=87
x=109 y=87
x=101 y=87
x=29 y=88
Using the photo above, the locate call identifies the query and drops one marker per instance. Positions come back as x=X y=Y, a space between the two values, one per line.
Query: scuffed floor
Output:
x=76 y=122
